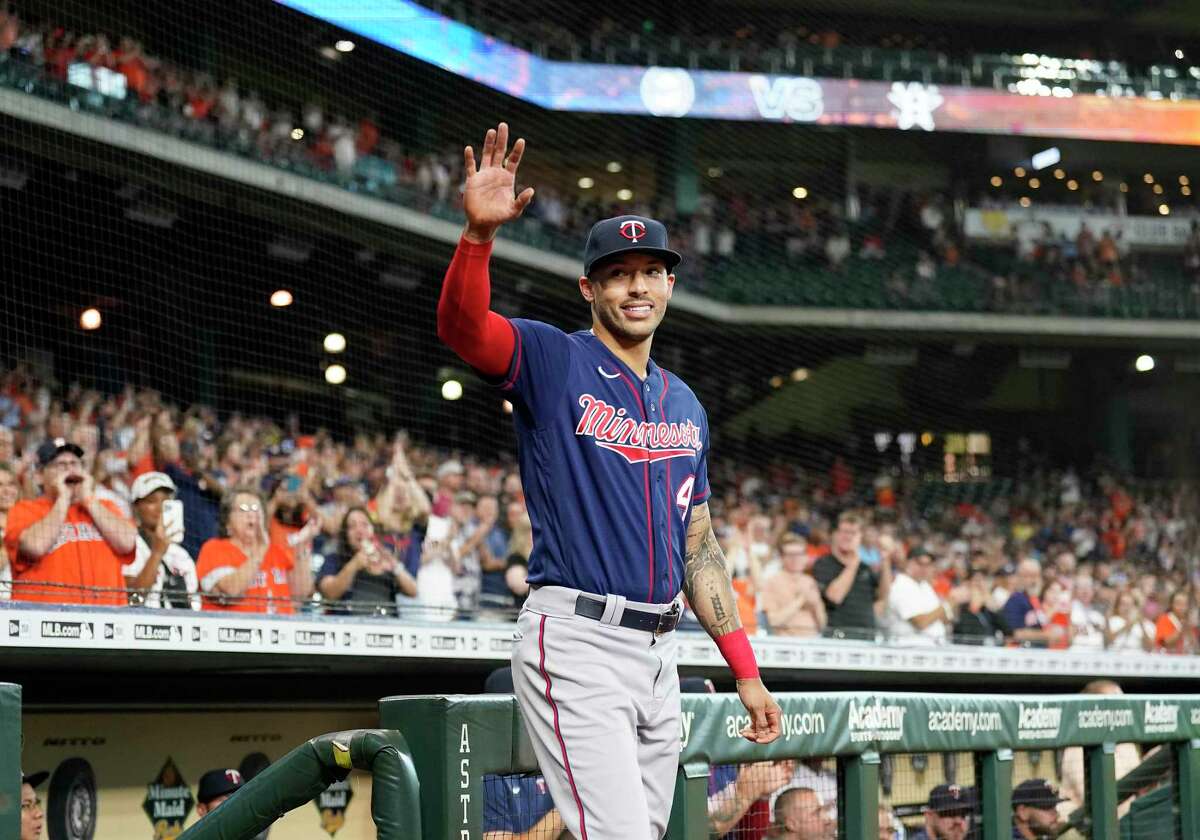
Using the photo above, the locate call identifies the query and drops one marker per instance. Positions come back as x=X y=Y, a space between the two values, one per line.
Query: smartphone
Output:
x=172 y=519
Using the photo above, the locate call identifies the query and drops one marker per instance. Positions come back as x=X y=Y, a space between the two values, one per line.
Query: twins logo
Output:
x=632 y=230
x=636 y=442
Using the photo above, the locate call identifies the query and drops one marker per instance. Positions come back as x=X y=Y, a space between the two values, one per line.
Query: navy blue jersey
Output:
x=611 y=465
x=514 y=803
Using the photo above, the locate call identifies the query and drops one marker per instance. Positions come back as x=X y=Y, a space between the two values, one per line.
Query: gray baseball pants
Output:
x=601 y=705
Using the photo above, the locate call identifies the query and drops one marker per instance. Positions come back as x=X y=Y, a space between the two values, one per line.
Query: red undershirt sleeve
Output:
x=481 y=338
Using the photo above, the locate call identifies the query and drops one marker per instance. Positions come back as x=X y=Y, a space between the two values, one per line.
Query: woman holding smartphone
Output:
x=363 y=576
x=162 y=574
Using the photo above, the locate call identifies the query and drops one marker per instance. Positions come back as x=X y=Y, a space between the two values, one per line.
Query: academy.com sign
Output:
x=960 y=720
x=1098 y=717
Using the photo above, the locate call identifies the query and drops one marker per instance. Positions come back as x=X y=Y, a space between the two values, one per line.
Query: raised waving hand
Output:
x=489 y=198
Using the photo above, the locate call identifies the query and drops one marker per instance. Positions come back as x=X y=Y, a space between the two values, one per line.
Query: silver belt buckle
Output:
x=671 y=616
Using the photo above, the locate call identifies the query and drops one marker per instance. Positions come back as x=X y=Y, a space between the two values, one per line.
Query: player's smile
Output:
x=638 y=310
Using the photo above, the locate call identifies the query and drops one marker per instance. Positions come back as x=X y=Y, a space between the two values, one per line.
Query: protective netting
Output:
x=932 y=792
x=224 y=232
x=750 y=801
x=519 y=805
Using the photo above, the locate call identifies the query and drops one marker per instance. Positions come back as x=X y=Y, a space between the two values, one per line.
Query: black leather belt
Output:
x=656 y=623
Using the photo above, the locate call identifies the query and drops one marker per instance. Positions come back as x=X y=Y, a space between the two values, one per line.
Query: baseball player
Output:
x=613 y=453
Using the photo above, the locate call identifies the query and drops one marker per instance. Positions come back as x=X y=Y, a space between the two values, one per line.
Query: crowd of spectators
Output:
x=909 y=242
x=128 y=500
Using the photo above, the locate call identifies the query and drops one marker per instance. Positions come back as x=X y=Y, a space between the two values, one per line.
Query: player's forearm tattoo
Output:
x=705 y=579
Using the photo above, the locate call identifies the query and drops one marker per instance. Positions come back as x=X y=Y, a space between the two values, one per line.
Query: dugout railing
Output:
x=456 y=740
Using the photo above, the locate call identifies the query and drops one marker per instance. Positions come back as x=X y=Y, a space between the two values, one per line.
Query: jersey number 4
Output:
x=683 y=499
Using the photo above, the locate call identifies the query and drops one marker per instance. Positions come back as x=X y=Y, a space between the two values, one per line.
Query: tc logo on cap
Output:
x=633 y=230
x=234 y=777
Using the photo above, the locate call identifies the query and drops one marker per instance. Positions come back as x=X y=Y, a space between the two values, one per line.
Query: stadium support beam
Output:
x=10 y=760
x=689 y=812
x=858 y=796
x=993 y=776
x=225 y=166
x=1101 y=797
x=1187 y=769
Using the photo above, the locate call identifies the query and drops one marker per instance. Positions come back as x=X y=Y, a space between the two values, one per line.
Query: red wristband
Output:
x=735 y=647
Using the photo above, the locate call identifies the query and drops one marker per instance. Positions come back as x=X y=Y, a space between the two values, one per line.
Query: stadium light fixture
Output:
x=329 y=53
x=1034 y=183
x=90 y=319
x=625 y=194
x=1124 y=187
x=335 y=374
x=1046 y=157
x=1148 y=178
x=997 y=181
x=800 y=193
x=715 y=172
x=1072 y=185
x=452 y=390
x=1060 y=173
x=586 y=183
x=1179 y=54
x=297 y=133
x=799 y=374
x=1164 y=210
x=1158 y=189
x=281 y=298
x=612 y=166
x=1185 y=190
x=1144 y=363
x=1019 y=171
x=334 y=343
x=776 y=381
x=344 y=46
x=1097 y=175
x=1183 y=181
x=1025 y=201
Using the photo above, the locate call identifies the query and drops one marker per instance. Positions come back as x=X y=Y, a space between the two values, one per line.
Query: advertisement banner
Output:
x=675 y=92
x=1005 y=225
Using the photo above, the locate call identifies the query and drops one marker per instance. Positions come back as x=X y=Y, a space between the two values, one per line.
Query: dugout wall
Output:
x=10 y=760
x=456 y=740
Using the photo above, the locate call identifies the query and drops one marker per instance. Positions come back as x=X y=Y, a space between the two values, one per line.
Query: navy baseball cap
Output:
x=216 y=783
x=952 y=799
x=1037 y=793
x=51 y=449
x=35 y=779
x=627 y=234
